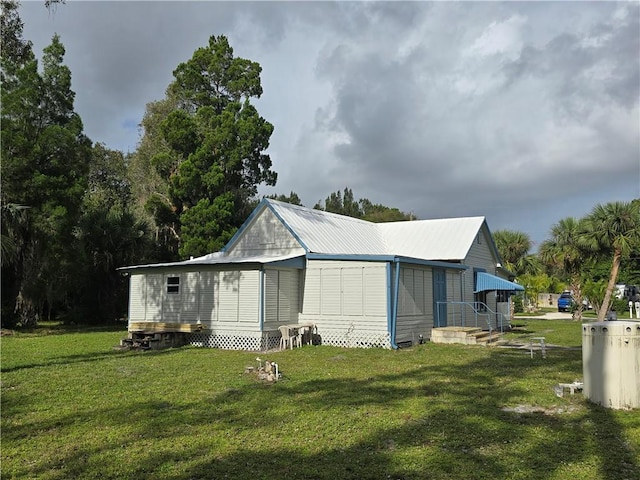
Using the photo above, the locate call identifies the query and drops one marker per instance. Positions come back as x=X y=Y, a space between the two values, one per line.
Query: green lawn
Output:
x=72 y=407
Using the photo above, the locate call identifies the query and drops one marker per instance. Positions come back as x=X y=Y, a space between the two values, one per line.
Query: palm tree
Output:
x=14 y=221
x=612 y=229
x=513 y=247
x=564 y=252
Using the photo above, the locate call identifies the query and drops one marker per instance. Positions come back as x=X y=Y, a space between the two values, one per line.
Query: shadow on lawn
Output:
x=86 y=358
x=460 y=430
x=61 y=328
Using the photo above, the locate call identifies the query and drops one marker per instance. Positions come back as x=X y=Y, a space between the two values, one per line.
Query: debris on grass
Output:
x=526 y=409
x=267 y=371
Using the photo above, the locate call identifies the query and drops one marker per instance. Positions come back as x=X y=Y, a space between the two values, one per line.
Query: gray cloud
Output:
x=524 y=112
x=499 y=113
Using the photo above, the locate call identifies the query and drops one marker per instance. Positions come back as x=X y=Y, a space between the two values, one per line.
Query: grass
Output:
x=72 y=407
x=564 y=333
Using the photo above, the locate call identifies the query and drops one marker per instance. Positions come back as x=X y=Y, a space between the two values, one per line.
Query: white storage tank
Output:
x=611 y=363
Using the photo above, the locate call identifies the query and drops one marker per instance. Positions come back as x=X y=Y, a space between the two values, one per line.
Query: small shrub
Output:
x=518 y=307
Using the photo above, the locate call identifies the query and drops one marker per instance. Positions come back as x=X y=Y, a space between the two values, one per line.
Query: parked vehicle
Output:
x=566 y=302
x=625 y=291
x=630 y=291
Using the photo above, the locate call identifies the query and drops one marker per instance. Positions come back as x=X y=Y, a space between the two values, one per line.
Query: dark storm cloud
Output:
x=498 y=113
x=122 y=54
x=601 y=64
x=525 y=112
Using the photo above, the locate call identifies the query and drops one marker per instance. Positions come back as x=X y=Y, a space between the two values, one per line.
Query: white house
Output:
x=360 y=283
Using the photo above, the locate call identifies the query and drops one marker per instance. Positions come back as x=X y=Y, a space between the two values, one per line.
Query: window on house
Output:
x=173 y=284
x=502 y=296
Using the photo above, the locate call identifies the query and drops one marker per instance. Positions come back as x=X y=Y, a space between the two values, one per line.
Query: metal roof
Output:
x=218 y=258
x=440 y=239
x=329 y=233
x=324 y=232
x=487 y=282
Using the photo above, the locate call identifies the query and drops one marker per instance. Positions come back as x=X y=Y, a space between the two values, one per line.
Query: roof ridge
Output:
x=347 y=217
x=318 y=212
x=425 y=220
x=327 y=232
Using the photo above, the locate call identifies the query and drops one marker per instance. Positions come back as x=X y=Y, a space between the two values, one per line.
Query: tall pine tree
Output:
x=208 y=146
x=45 y=159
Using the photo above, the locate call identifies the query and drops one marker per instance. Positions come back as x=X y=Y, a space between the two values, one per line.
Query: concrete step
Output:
x=488 y=338
x=464 y=335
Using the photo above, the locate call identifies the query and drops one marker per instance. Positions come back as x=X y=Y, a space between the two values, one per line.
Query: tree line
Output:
x=344 y=203
x=587 y=256
x=73 y=210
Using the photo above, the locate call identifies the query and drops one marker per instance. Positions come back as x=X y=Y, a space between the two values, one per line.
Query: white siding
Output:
x=208 y=297
x=211 y=297
x=228 y=301
x=271 y=297
x=312 y=294
x=289 y=295
x=375 y=291
x=137 y=298
x=281 y=297
x=155 y=287
x=229 y=297
x=190 y=286
x=249 y=297
x=171 y=302
x=415 y=303
x=341 y=295
x=331 y=291
x=265 y=235
x=353 y=291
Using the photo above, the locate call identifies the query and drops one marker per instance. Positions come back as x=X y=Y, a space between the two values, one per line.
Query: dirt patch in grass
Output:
x=528 y=409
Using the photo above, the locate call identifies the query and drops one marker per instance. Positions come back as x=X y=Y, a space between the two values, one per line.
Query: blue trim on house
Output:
x=390 y=320
x=439 y=282
x=385 y=258
x=432 y=263
x=245 y=225
x=486 y=282
x=264 y=203
x=492 y=244
x=261 y=287
x=296 y=262
x=396 y=294
x=287 y=226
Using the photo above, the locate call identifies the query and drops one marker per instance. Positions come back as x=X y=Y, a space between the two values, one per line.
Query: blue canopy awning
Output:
x=487 y=282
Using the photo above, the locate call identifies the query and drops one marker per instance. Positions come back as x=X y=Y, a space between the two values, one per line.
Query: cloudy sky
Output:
x=523 y=112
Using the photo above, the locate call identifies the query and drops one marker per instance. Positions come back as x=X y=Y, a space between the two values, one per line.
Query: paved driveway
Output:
x=557 y=316
x=548 y=316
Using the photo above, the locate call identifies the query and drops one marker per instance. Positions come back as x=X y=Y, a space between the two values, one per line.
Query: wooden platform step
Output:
x=163 y=327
